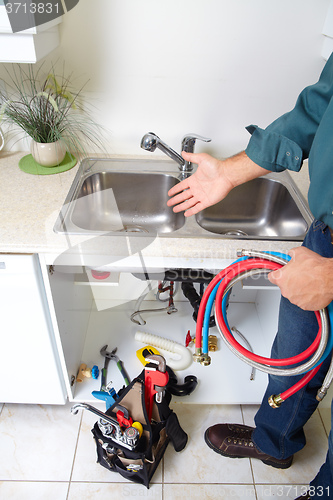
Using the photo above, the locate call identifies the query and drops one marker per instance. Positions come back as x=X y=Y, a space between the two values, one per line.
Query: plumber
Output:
x=306 y=282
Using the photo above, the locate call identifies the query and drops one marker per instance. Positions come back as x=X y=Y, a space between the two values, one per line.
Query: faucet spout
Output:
x=151 y=141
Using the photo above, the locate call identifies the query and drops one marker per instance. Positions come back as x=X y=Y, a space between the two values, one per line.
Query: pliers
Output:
x=112 y=356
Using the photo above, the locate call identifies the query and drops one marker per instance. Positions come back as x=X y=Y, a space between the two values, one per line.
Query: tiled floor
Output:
x=48 y=453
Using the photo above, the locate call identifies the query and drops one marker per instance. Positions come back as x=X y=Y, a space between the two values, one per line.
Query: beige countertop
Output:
x=30 y=204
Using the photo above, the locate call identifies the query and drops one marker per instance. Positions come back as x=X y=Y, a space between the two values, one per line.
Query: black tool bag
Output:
x=139 y=463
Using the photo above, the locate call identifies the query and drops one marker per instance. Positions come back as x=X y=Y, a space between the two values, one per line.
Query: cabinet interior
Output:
x=93 y=313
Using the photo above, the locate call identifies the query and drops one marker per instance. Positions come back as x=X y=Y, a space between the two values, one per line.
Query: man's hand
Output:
x=211 y=182
x=306 y=280
x=207 y=186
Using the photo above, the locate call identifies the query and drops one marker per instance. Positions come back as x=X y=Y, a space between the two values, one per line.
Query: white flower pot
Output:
x=48 y=154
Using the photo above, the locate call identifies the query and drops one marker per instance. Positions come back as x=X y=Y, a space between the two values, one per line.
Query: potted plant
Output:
x=49 y=111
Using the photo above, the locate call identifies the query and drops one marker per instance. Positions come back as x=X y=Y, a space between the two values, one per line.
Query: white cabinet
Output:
x=30 y=369
x=90 y=314
x=30 y=45
x=53 y=318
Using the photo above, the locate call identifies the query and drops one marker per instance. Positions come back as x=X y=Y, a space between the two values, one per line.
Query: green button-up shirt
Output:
x=304 y=132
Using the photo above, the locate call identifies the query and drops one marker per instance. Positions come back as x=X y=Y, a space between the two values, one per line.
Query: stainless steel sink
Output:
x=261 y=208
x=118 y=197
x=126 y=201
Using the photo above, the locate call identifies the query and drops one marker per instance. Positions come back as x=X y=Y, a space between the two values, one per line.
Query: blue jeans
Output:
x=279 y=432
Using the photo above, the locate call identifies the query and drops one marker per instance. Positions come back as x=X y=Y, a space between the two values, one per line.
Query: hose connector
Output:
x=198 y=356
x=206 y=359
x=212 y=343
x=275 y=400
x=239 y=252
x=321 y=394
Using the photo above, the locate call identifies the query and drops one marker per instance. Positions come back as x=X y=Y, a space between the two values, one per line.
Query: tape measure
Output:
x=144 y=352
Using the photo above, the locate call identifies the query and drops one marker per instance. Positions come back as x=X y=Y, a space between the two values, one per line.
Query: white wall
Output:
x=178 y=66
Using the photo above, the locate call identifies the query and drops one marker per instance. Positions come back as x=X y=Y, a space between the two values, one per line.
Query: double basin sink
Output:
x=118 y=197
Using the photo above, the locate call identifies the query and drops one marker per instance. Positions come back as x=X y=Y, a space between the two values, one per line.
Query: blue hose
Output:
x=208 y=312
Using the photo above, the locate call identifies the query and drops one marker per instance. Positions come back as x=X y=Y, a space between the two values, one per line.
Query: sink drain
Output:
x=133 y=229
x=235 y=232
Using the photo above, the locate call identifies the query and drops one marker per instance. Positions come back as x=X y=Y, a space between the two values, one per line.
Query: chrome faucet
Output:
x=151 y=141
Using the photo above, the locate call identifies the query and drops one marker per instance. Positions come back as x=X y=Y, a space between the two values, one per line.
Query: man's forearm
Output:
x=240 y=168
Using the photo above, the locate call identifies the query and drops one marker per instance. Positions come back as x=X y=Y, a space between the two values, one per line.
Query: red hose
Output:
x=226 y=275
x=254 y=357
x=301 y=383
x=233 y=270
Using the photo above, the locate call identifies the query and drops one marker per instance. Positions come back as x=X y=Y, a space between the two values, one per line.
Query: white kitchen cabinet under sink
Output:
x=30 y=370
x=91 y=315
x=54 y=318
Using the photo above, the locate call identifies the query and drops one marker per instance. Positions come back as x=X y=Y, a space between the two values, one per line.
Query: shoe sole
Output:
x=266 y=462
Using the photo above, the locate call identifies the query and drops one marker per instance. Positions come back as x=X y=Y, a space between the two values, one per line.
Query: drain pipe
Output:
x=168 y=345
x=194 y=299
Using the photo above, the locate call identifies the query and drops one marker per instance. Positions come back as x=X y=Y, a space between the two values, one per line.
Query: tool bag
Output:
x=139 y=463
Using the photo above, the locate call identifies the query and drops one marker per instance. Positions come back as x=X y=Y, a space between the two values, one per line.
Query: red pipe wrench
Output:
x=156 y=378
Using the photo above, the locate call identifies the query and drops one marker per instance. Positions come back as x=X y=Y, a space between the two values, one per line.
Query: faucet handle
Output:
x=188 y=143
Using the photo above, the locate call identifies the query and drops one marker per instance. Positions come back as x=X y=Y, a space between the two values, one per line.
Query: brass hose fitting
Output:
x=275 y=400
x=206 y=360
x=321 y=394
x=198 y=356
x=212 y=343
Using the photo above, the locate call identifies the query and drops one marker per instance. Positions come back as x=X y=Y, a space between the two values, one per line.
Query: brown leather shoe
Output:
x=234 y=441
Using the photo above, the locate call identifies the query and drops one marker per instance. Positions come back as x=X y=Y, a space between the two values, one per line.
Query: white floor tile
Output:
x=98 y=491
x=38 y=445
x=249 y=412
x=197 y=463
x=85 y=466
x=325 y=414
x=306 y=463
x=37 y=442
x=18 y=490
x=211 y=491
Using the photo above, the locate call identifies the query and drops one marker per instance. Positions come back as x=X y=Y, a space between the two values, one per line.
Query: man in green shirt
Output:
x=306 y=282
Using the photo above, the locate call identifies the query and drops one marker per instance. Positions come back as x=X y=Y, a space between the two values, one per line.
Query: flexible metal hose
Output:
x=308 y=365
x=326 y=384
x=220 y=287
x=247 y=343
x=169 y=308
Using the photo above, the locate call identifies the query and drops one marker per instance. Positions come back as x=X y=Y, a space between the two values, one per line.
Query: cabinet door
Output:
x=29 y=364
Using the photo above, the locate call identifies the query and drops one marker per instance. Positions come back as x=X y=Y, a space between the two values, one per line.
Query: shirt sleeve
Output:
x=287 y=141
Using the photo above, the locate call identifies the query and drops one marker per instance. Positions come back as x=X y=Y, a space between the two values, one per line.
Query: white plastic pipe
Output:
x=168 y=345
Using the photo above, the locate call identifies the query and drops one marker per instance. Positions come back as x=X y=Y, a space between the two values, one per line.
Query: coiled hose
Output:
x=251 y=263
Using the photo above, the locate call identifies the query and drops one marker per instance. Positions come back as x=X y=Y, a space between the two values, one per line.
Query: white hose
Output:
x=168 y=345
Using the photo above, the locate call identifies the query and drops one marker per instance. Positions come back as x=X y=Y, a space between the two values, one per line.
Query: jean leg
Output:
x=279 y=432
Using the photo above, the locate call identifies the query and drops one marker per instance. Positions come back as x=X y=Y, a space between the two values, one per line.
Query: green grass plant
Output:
x=46 y=108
